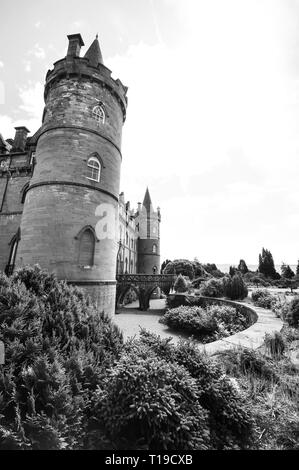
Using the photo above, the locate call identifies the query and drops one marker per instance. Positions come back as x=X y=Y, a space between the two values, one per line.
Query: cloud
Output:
x=27 y=65
x=1 y=64
x=38 y=52
x=77 y=25
x=32 y=100
x=221 y=89
x=29 y=113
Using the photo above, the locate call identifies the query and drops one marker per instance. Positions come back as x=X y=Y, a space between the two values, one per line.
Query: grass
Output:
x=271 y=385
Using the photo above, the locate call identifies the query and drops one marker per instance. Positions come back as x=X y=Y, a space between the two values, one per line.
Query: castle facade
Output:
x=60 y=205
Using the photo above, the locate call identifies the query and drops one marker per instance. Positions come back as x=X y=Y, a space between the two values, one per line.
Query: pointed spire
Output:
x=147 y=202
x=94 y=54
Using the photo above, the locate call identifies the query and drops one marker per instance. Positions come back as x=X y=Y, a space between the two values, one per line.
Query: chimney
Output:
x=20 y=138
x=75 y=44
x=139 y=207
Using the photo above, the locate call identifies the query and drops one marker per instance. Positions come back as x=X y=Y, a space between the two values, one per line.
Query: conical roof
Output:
x=147 y=202
x=94 y=54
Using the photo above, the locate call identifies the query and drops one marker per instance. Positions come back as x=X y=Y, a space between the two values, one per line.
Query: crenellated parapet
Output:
x=84 y=68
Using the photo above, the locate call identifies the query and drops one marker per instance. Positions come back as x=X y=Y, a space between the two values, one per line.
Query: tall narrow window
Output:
x=32 y=158
x=13 y=253
x=154 y=248
x=86 y=249
x=93 y=169
x=99 y=114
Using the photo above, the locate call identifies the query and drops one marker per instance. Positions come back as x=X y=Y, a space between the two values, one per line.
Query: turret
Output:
x=148 y=221
x=71 y=207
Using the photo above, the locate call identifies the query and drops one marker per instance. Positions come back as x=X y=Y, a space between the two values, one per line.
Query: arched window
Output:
x=93 y=169
x=131 y=266
x=13 y=253
x=127 y=238
x=99 y=114
x=126 y=266
x=154 y=248
x=87 y=241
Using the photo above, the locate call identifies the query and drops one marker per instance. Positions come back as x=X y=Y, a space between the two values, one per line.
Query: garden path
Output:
x=131 y=320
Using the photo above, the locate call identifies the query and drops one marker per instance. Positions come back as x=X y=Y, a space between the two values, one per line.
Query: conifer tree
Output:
x=266 y=264
x=243 y=267
x=286 y=271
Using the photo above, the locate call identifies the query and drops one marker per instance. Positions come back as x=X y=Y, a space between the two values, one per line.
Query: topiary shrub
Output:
x=57 y=350
x=212 y=288
x=180 y=284
x=234 y=287
x=292 y=316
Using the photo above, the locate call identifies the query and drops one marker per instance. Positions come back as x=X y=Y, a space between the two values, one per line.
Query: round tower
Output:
x=149 y=237
x=71 y=207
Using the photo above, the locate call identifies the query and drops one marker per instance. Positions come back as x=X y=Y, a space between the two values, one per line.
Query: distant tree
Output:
x=266 y=265
x=242 y=267
x=297 y=270
x=212 y=269
x=164 y=264
x=257 y=280
x=180 y=266
x=286 y=271
x=232 y=270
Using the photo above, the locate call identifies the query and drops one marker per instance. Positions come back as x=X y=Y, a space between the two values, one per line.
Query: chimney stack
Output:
x=75 y=44
x=20 y=138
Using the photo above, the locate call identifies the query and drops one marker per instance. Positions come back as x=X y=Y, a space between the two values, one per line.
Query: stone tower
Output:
x=149 y=237
x=71 y=206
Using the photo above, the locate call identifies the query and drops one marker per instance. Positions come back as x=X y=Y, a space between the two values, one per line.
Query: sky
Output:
x=213 y=111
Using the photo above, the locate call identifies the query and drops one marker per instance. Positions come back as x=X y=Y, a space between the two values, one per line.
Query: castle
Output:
x=59 y=189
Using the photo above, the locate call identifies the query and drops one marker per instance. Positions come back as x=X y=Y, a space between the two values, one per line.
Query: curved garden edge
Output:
x=265 y=321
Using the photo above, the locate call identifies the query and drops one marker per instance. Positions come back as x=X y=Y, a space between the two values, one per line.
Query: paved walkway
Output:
x=131 y=320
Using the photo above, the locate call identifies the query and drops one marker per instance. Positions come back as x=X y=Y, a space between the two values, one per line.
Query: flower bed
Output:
x=208 y=323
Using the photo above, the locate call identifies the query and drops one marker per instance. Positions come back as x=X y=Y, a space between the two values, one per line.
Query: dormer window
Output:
x=99 y=114
x=93 y=169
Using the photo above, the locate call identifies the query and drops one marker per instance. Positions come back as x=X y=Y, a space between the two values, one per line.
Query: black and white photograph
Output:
x=149 y=227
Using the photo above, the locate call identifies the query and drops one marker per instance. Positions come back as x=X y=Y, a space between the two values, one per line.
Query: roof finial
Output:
x=97 y=36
